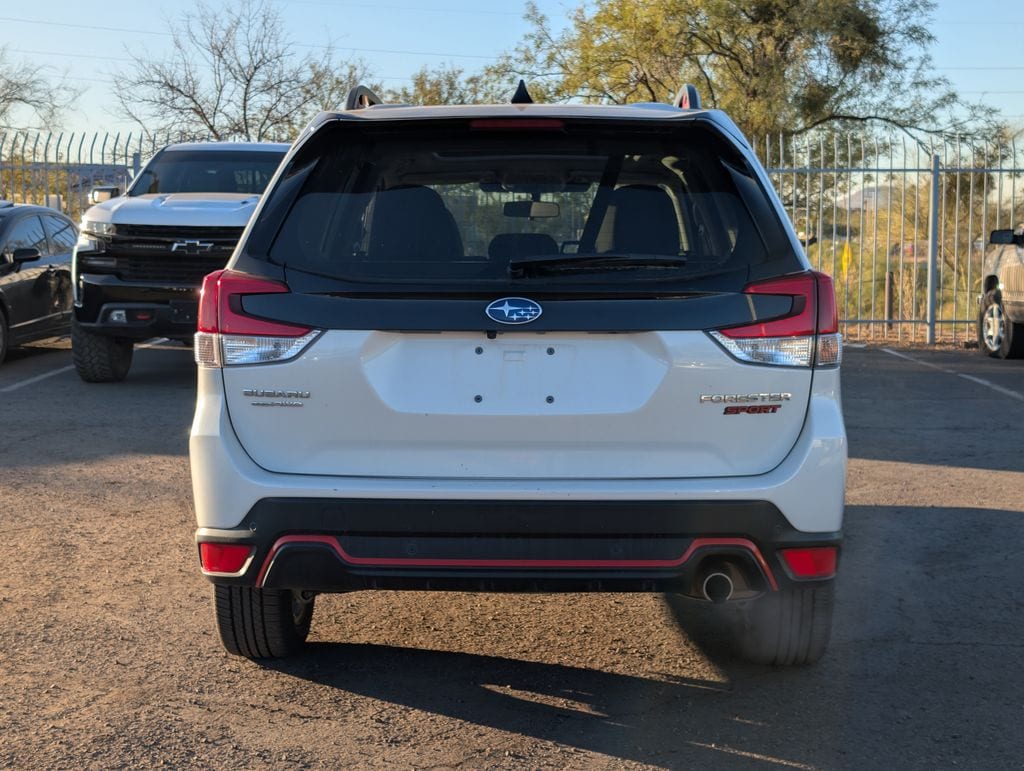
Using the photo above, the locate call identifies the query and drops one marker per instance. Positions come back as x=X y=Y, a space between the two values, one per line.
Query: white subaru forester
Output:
x=520 y=347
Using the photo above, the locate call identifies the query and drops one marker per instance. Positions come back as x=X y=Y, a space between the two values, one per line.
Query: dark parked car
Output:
x=35 y=273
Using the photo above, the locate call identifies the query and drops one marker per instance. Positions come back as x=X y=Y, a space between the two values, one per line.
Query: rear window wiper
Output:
x=564 y=263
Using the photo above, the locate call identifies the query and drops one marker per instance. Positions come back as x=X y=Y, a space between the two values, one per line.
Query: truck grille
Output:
x=175 y=254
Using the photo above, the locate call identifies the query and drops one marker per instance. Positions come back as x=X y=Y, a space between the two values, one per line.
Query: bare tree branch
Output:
x=233 y=73
x=27 y=90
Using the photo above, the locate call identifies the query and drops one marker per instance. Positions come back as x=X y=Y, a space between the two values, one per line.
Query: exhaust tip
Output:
x=717 y=587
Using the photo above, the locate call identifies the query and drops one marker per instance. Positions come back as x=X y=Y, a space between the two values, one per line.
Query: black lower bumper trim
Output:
x=341 y=545
x=170 y=310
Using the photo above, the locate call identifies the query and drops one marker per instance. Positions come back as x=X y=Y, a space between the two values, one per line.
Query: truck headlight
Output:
x=92 y=227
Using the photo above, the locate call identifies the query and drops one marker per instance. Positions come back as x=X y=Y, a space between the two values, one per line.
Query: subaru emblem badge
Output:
x=513 y=310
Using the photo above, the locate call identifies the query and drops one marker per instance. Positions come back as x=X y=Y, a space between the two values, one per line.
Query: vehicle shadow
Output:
x=53 y=417
x=900 y=411
x=922 y=671
x=659 y=720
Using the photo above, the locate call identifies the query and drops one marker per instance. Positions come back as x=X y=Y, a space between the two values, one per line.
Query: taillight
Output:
x=224 y=557
x=811 y=562
x=517 y=124
x=227 y=336
x=808 y=335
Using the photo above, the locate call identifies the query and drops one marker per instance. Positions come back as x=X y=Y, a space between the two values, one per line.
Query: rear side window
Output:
x=207 y=171
x=62 y=233
x=460 y=207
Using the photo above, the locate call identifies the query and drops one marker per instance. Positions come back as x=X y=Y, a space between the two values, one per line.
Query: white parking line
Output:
x=980 y=381
x=918 y=361
x=29 y=381
x=993 y=386
x=36 y=379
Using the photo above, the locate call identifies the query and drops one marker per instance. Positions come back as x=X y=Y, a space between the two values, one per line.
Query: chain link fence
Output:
x=901 y=225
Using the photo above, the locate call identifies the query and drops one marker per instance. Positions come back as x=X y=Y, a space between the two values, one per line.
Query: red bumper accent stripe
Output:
x=412 y=562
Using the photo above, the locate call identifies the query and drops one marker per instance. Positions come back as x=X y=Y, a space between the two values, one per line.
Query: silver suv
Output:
x=520 y=347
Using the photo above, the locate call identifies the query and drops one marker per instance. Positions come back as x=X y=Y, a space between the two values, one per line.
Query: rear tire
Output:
x=998 y=336
x=98 y=358
x=262 y=623
x=789 y=627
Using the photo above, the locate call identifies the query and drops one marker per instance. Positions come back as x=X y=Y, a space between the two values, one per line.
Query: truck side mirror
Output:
x=101 y=194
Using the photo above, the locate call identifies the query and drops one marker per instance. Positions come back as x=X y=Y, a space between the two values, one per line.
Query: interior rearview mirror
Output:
x=101 y=194
x=532 y=209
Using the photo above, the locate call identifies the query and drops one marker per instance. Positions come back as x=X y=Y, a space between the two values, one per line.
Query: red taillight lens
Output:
x=828 y=313
x=227 y=336
x=223 y=557
x=220 y=306
x=802 y=320
x=807 y=335
x=811 y=562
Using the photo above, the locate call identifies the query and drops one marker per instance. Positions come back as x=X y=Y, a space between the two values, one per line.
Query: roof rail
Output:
x=360 y=97
x=687 y=98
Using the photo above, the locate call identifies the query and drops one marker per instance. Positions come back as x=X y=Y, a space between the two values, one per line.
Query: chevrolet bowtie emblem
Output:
x=192 y=247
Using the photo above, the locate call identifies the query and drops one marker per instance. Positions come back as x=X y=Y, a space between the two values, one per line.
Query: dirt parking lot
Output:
x=109 y=658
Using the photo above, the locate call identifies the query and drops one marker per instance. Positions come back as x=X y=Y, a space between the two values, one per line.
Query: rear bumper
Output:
x=170 y=308
x=333 y=545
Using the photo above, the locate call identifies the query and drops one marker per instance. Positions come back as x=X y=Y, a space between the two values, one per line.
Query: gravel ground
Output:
x=109 y=657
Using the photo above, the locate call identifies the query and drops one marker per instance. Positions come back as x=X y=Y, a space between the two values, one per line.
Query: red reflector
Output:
x=143 y=315
x=812 y=562
x=223 y=557
x=514 y=124
x=220 y=306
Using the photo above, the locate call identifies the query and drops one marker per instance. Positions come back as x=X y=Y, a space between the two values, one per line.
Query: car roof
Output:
x=7 y=208
x=267 y=147
x=637 y=111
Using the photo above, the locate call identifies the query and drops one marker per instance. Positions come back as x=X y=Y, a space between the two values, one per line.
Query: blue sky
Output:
x=978 y=43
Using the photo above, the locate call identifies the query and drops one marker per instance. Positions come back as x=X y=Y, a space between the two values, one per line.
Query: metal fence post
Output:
x=136 y=163
x=933 y=247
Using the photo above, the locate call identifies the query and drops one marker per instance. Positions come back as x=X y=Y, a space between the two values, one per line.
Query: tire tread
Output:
x=98 y=358
x=259 y=623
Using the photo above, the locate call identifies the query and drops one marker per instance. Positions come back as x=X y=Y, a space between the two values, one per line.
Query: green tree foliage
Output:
x=233 y=73
x=776 y=66
x=449 y=84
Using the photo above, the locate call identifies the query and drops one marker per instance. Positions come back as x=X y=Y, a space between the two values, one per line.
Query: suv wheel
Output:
x=790 y=626
x=98 y=358
x=997 y=335
x=262 y=623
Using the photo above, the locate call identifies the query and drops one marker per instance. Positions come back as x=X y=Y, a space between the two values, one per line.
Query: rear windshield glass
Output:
x=463 y=206
x=207 y=171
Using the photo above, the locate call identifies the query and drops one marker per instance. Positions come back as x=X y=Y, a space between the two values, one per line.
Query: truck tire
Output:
x=98 y=358
x=998 y=336
x=262 y=623
x=787 y=627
